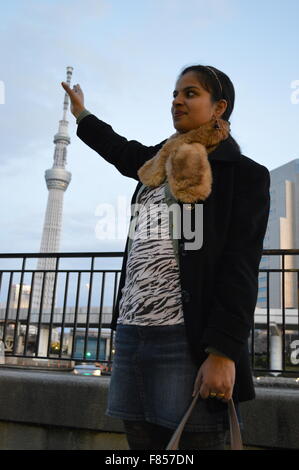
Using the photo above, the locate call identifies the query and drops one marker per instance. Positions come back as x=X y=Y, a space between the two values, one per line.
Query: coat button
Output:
x=185 y=296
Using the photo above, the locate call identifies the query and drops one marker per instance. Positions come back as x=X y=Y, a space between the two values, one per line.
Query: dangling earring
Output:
x=216 y=125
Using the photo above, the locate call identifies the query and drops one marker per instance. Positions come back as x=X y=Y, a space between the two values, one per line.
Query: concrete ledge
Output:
x=271 y=420
x=60 y=410
x=56 y=411
x=55 y=398
x=22 y=436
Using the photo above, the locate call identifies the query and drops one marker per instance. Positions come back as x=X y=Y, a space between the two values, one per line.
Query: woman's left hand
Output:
x=216 y=378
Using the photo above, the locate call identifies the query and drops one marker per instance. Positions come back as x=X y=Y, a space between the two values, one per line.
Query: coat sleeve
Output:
x=126 y=155
x=236 y=283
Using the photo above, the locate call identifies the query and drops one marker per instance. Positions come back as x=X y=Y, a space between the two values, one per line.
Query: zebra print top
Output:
x=151 y=295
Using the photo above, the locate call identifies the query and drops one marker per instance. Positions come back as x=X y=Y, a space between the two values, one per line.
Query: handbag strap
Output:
x=235 y=434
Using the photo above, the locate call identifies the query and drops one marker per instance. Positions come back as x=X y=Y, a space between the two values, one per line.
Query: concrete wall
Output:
x=63 y=411
x=272 y=419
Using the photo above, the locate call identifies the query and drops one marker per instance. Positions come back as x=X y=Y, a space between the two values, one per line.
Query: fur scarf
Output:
x=183 y=160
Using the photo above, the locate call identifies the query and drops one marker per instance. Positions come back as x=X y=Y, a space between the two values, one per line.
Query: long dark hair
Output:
x=209 y=82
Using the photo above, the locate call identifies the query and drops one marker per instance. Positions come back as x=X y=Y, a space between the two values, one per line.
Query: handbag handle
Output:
x=235 y=434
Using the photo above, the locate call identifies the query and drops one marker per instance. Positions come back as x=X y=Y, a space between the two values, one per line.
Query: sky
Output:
x=126 y=57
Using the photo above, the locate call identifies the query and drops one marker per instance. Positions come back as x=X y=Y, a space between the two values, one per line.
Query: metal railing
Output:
x=50 y=312
x=276 y=325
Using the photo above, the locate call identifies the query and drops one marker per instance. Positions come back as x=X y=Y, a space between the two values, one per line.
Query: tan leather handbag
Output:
x=235 y=434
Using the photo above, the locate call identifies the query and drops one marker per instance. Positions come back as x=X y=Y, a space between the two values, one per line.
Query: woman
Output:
x=184 y=311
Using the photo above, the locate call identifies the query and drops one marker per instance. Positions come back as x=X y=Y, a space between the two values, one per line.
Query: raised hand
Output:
x=77 y=98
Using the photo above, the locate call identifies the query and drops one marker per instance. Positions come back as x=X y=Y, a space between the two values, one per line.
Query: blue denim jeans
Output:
x=152 y=382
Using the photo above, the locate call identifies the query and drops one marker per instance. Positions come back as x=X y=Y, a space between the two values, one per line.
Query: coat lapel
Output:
x=228 y=150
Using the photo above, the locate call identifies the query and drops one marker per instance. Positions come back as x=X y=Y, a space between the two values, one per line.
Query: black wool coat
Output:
x=219 y=281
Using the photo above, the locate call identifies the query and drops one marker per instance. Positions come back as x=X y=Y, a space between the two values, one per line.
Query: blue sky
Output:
x=126 y=57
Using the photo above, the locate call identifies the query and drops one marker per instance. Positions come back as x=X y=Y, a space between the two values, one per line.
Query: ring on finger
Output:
x=212 y=394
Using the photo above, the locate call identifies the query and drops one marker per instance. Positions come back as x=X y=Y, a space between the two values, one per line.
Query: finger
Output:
x=224 y=396
x=227 y=397
x=67 y=88
x=220 y=396
x=204 y=391
x=77 y=90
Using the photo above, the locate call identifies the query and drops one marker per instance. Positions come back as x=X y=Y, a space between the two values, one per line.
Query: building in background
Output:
x=282 y=233
x=15 y=294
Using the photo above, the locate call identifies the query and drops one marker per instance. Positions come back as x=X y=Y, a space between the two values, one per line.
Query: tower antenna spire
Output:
x=57 y=180
x=69 y=73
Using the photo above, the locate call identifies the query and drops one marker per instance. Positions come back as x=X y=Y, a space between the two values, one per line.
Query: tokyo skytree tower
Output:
x=57 y=179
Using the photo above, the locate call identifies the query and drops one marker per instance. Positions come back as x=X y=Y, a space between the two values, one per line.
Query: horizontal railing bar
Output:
x=274 y=270
x=113 y=254
x=281 y=251
x=290 y=270
x=59 y=270
x=277 y=371
x=97 y=254
x=55 y=357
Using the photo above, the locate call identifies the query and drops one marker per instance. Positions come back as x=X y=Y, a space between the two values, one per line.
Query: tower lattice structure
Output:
x=57 y=179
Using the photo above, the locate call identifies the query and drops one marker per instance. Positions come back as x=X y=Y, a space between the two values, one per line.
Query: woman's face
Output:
x=192 y=105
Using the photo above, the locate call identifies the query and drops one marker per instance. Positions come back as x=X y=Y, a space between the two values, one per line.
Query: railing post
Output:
x=43 y=342
x=276 y=362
